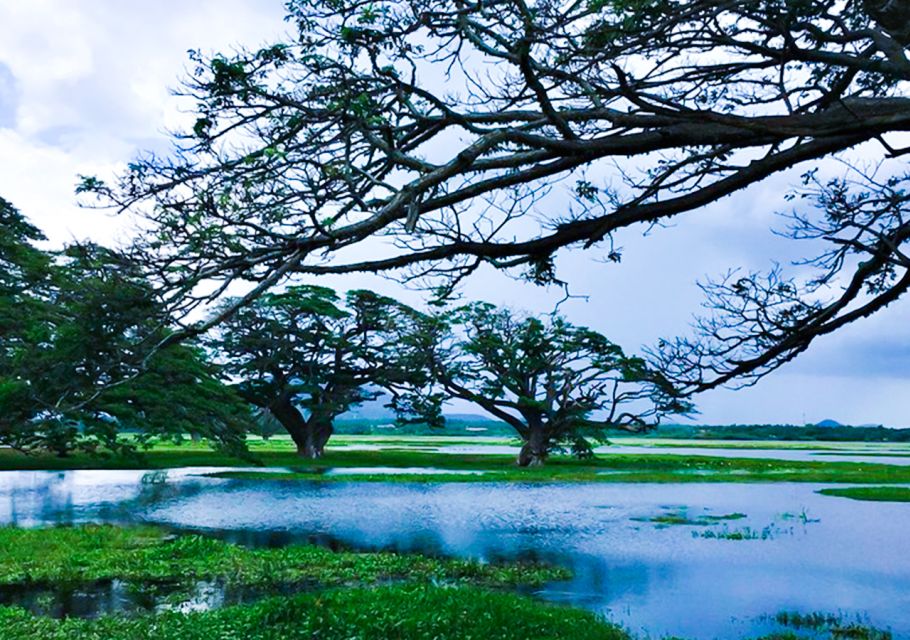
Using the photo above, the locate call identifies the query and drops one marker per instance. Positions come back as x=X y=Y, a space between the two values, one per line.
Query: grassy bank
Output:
x=871 y=494
x=147 y=554
x=431 y=598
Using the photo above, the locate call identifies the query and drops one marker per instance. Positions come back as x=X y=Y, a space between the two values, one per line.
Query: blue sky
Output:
x=84 y=86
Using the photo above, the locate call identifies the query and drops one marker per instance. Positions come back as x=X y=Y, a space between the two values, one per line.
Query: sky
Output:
x=85 y=86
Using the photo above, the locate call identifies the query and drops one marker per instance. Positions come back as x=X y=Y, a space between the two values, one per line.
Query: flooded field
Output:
x=694 y=560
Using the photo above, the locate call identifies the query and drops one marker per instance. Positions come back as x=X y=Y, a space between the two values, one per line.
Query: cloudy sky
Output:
x=84 y=86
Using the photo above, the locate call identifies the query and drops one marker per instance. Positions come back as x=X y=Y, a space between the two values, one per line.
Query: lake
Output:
x=751 y=550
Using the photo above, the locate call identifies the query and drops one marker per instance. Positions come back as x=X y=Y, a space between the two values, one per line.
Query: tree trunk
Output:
x=321 y=431
x=534 y=451
x=294 y=423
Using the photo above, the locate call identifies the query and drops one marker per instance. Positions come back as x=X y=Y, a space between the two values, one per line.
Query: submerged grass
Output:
x=745 y=533
x=144 y=554
x=404 y=611
x=873 y=494
x=821 y=624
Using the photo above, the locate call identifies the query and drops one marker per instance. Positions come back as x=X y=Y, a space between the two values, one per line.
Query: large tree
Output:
x=76 y=365
x=440 y=126
x=306 y=356
x=25 y=274
x=558 y=385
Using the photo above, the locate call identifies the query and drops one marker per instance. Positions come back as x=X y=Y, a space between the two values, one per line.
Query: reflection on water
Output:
x=106 y=597
x=838 y=555
x=81 y=600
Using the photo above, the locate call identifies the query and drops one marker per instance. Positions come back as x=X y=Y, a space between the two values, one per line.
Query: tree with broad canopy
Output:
x=306 y=357
x=558 y=385
x=443 y=130
x=74 y=331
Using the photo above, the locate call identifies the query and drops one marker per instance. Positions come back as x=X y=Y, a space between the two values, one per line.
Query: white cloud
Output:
x=93 y=84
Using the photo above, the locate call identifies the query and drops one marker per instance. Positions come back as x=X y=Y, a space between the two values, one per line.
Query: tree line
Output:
x=75 y=376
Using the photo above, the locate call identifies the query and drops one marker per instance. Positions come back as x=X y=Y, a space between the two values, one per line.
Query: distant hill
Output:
x=468 y=417
x=827 y=430
x=377 y=411
x=374 y=417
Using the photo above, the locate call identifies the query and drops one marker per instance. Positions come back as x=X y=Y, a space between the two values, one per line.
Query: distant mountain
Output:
x=828 y=423
x=469 y=417
x=370 y=410
x=376 y=410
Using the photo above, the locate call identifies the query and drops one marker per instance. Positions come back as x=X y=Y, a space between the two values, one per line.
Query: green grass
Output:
x=401 y=611
x=146 y=554
x=873 y=494
x=661 y=467
x=664 y=468
x=431 y=598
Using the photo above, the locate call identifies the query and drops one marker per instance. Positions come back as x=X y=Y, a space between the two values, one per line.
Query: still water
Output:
x=791 y=550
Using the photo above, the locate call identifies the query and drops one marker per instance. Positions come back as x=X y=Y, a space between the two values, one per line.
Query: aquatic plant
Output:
x=836 y=626
x=147 y=554
x=682 y=517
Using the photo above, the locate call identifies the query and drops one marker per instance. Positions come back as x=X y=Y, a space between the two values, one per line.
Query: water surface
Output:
x=802 y=551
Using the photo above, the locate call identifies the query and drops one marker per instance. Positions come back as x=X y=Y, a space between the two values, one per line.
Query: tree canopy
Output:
x=442 y=129
x=558 y=385
x=306 y=356
x=75 y=369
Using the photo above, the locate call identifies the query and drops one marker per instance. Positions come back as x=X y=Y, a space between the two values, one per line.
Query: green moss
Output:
x=874 y=494
x=143 y=554
x=406 y=611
